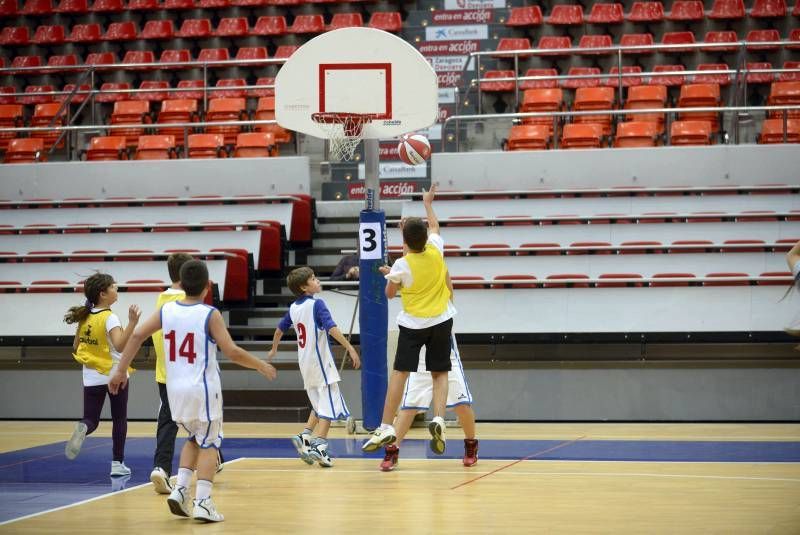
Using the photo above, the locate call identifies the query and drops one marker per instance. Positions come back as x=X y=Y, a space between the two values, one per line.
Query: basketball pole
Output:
x=373 y=306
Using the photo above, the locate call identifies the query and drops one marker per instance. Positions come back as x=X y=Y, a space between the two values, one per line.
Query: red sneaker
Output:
x=390 y=459
x=470 y=451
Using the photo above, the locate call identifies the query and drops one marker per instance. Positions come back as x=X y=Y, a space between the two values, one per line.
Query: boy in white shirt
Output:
x=312 y=322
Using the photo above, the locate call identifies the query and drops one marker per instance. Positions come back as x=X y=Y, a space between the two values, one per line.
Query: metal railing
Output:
x=619 y=51
x=668 y=112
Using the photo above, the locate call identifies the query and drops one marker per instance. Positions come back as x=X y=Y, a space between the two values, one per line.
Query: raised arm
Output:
x=793 y=256
x=427 y=201
x=120 y=337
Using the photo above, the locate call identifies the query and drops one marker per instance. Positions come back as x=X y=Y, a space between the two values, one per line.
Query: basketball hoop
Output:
x=344 y=130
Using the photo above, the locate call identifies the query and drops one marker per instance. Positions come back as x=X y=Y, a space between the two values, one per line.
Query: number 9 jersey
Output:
x=194 y=388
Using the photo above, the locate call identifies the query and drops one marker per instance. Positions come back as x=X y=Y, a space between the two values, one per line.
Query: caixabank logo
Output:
x=474 y=4
x=457 y=33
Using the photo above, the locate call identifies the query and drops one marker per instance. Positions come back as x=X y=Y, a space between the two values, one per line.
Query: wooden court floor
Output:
x=267 y=491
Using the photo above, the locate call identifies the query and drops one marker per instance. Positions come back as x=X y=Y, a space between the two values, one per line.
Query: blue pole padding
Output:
x=373 y=315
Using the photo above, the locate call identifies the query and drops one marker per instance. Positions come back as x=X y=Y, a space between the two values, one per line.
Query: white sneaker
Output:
x=205 y=511
x=319 y=452
x=73 y=447
x=179 y=501
x=160 y=481
x=437 y=429
x=380 y=438
x=302 y=444
x=118 y=468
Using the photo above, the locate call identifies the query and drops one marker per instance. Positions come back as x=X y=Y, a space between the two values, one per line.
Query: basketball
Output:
x=414 y=149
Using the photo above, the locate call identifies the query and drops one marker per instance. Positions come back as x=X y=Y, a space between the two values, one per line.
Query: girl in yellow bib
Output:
x=99 y=340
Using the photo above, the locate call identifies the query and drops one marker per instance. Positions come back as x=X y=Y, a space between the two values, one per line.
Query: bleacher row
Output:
x=51 y=245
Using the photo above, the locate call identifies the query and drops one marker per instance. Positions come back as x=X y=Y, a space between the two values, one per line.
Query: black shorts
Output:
x=436 y=341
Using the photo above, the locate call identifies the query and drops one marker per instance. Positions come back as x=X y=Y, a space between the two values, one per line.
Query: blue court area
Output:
x=38 y=479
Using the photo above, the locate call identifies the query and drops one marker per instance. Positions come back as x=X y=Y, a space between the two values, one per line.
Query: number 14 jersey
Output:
x=193 y=382
x=312 y=321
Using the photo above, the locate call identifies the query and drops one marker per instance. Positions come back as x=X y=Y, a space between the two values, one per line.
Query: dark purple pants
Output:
x=93 y=399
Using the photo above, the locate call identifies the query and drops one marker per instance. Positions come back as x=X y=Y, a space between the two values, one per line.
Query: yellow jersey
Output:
x=428 y=294
x=94 y=350
x=165 y=297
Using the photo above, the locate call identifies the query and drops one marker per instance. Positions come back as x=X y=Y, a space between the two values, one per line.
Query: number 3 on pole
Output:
x=370 y=241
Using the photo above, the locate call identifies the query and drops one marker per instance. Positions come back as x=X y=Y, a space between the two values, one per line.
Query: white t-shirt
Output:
x=401 y=274
x=92 y=377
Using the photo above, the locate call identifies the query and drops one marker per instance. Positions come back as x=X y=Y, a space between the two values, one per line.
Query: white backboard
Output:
x=357 y=70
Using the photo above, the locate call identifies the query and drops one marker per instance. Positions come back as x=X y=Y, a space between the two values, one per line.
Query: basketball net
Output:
x=344 y=130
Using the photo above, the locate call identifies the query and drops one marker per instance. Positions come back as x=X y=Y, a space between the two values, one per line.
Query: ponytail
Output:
x=92 y=288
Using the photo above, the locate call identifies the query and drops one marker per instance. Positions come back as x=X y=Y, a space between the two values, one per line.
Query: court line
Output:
x=89 y=500
x=461 y=472
x=532 y=455
x=60 y=454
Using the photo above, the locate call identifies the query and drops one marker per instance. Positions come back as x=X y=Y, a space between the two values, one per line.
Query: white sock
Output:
x=184 y=477
x=203 y=489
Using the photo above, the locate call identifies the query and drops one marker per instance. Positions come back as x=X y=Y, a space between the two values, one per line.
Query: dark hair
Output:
x=415 y=234
x=92 y=288
x=298 y=278
x=174 y=263
x=194 y=277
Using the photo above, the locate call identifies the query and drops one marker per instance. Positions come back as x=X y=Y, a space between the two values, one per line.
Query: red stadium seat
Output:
x=285 y=51
x=790 y=76
x=389 y=21
x=606 y=14
x=207 y=146
x=187 y=84
x=6 y=90
x=267 y=92
x=230 y=93
x=8 y=8
x=727 y=10
x=463 y=282
x=35 y=97
x=139 y=56
x=254 y=145
x=637 y=39
x=157 y=147
x=525 y=16
x=37 y=8
x=178 y=4
x=576 y=83
x=152 y=96
x=687 y=11
x=542 y=100
x=759 y=77
x=49 y=35
x=719 y=79
x=728 y=36
x=11 y=116
x=133 y=112
x=726 y=283
x=677 y=38
x=232 y=27
x=595 y=41
x=270 y=25
x=308 y=24
x=498 y=87
x=251 y=53
x=158 y=29
x=499 y=284
x=514 y=43
x=646 y=246
x=175 y=56
x=615 y=276
x=15 y=36
x=768 y=9
x=144 y=5
x=25 y=150
x=762 y=36
x=669 y=81
x=121 y=31
x=690 y=133
x=529 y=137
x=671 y=276
x=226 y=109
x=539 y=84
x=627 y=81
x=566 y=15
x=758 y=246
x=555 y=43
x=266 y=112
x=646 y=12
x=772 y=131
x=345 y=20
x=774 y=274
x=48 y=115
x=214 y=54
x=180 y=110
x=66 y=60
x=85 y=33
x=700 y=96
x=146 y=285
x=195 y=28
x=113 y=97
x=594 y=99
x=586 y=247
x=107 y=148
x=566 y=276
x=647 y=97
x=581 y=136
x=479 y=249
x=24 y=62
x=48 y=286
x=636 y=134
